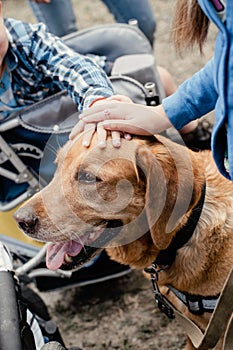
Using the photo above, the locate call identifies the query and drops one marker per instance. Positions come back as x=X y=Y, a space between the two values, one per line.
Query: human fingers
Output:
x=116 y=139
x=125 y=126
x=127 y=136
x=107 y=110
x=88 y=133
x=101 y=135
x=77 y=129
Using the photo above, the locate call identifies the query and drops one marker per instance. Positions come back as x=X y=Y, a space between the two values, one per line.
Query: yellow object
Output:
x=8 y=227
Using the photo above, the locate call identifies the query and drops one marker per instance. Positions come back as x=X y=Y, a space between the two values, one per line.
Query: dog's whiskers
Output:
x=79 y=240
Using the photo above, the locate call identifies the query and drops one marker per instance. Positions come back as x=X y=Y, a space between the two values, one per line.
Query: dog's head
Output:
x=131 y=200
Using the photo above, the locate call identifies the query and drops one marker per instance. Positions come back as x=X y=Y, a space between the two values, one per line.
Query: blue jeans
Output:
x=124 y=10
x=60 y=18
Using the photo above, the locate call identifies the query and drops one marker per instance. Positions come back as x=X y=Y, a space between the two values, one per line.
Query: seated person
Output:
x=35 y=64
x=59 y=15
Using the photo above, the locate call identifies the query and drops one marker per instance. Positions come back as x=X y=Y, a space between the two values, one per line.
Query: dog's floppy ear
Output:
x=167 y=171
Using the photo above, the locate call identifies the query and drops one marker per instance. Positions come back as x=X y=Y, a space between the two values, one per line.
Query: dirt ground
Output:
x=120 y=314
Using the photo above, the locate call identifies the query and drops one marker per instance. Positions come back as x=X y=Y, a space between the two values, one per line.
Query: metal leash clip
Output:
x=159 y=299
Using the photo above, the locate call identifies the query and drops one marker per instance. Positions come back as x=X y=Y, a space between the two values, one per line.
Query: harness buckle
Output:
x=160 y=301
x=194 y=304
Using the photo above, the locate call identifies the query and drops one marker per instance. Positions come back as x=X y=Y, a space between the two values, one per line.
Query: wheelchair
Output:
x=29 y=140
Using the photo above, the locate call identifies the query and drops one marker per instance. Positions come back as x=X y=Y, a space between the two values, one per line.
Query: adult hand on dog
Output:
x=119 y=113
x=90 y=128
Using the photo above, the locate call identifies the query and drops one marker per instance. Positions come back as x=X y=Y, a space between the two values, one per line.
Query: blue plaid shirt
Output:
x=40 y=65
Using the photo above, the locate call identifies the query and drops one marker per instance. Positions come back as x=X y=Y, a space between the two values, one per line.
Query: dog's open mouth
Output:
x=73 y=254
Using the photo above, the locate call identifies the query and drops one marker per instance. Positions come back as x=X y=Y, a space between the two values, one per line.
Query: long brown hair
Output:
x=190 y=25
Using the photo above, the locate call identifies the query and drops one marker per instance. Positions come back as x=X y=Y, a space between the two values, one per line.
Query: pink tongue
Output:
x=57 y=251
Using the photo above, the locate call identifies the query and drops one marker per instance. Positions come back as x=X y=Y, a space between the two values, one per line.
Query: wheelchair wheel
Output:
x=53 y=346
x=10 y=337
x=34 y=302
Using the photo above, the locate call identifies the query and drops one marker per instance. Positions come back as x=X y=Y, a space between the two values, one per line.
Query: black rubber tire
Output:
x=34 y=303
x=38 y=307
x=9 y=316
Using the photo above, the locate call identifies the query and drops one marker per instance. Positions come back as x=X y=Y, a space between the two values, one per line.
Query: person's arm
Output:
x=119 y=114
x=194 y=98
x=84 y=81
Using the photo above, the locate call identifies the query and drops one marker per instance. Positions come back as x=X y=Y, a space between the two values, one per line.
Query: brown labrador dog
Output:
x=150 y=201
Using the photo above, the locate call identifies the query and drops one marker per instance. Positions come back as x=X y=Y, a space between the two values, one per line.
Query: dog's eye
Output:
x=84 y=176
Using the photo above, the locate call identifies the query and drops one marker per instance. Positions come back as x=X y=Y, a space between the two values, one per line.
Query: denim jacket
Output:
x=211 y=88
x=41 y=64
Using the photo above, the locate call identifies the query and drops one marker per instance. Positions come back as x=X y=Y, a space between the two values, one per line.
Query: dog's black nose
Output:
x=26 y=220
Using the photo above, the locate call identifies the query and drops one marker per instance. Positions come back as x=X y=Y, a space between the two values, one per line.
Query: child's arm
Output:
x=84 y=81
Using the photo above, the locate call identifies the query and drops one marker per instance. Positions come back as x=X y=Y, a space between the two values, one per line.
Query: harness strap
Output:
x=196 y=303
x=221 y=319
x=228 y=339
